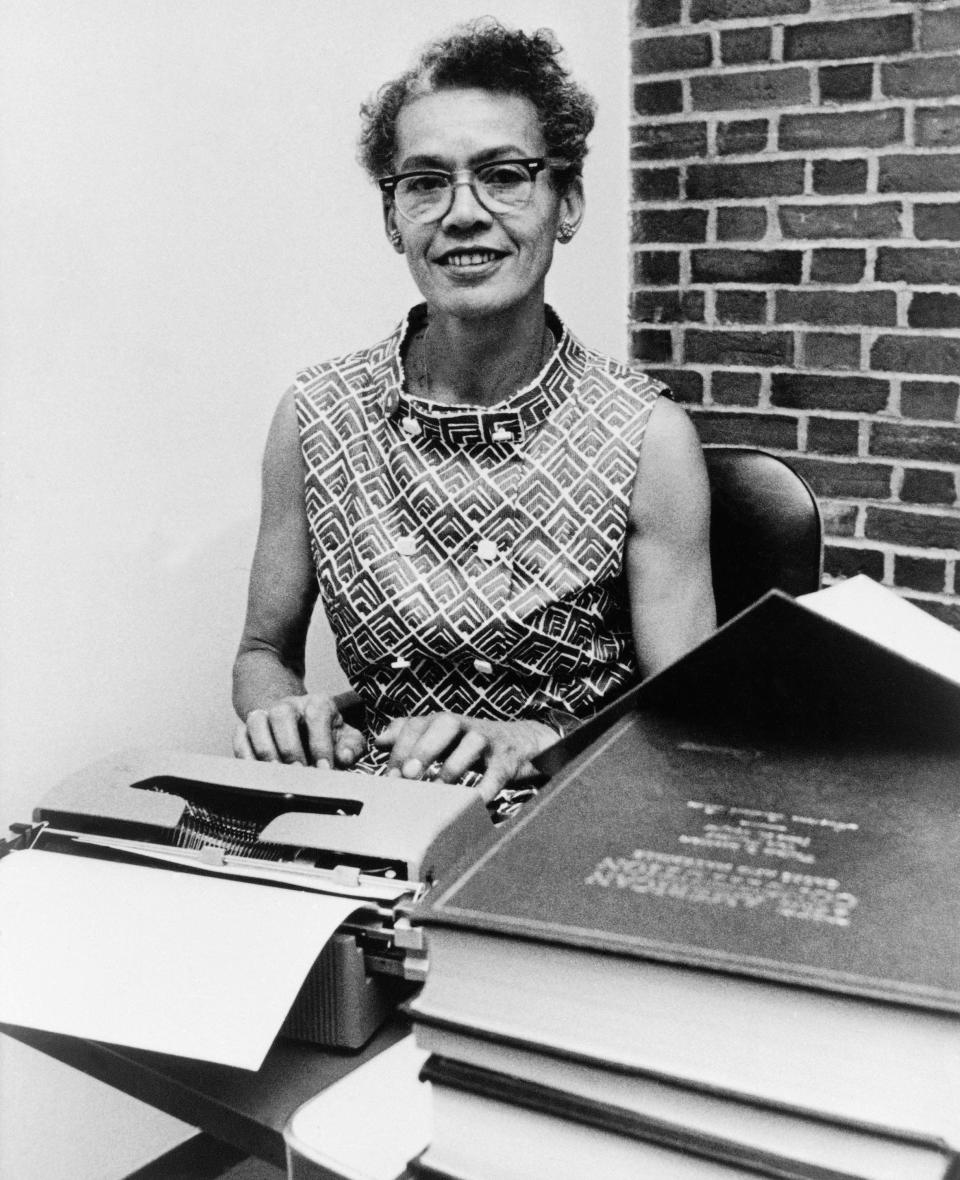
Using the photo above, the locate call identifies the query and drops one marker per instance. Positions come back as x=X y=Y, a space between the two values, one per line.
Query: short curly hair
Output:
x=487 y=55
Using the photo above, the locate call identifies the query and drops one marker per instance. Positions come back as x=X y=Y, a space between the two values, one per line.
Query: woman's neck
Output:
x=478 y=362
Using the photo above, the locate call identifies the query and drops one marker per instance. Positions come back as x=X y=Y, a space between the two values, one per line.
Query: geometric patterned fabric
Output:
x=471 y=559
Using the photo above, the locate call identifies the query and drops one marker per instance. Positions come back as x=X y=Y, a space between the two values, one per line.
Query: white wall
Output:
x=182 y=226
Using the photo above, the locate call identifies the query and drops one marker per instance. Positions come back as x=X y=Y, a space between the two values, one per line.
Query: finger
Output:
x=471 y=751
x=438 y=738
x=241 y=743
x=321 y=723
x=351 y=745
x=386 y=738
x=260 y=737
x=501 y=770
x=406 y=741
x=284 y=719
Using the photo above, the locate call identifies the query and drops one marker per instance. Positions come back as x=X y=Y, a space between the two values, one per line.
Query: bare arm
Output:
x=668 y=542
x=280 y=721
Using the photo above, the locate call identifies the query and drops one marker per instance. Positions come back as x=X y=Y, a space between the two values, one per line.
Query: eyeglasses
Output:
x=500 y=187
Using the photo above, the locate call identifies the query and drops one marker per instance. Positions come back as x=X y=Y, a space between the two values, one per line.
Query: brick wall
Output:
x=796 y=256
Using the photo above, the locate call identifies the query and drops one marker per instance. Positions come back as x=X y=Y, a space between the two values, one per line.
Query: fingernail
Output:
x=323 y=764
x=346 y=756
x=394 y=772
x=412 y=768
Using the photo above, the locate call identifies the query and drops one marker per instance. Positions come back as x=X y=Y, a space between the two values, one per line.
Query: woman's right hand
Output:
x=306 y=729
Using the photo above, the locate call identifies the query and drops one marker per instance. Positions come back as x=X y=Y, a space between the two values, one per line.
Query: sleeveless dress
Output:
x=471 y=559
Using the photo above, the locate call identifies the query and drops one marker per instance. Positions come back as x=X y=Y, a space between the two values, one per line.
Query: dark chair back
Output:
x=765 y=528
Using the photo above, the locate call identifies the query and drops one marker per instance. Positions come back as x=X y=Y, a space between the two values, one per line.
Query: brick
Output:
x=803 y=391
x=827 y=477
x=921 y=486
x=670 y=225
x=735 y=388
x=937 y=126
x=656 y=184
x=840 y=129
x=837 y=307
x=754 y=349
x=745 y=9
x=936 y=221
x=919 y=174
x=837 y=266
x=742 y=137
x=750 y=430
x=841 y=221
x=840 y=176
x=742 y=46
x=910 y=265
x=657 y=12
x=833 y=436
x=656 y=267
x=937 y=444
x=658 y=306
x=844 y=561
x=929 y=399
x=831 y=350
x=846 y=83
x=921 y=530
x=746 y=266
x=741 y=307
x=668 y=141
x=745 y=223
x=839 y=520
x=926 y=77
x=946 y=612
x=848 y=38
x=760 y=88
x=651 y=345
x=658 y=98
x=920 y=573
x=940 y=30
x=686 y=385
x=662 y=55
x=766 y=179
x=916 y=354
x=934 y=310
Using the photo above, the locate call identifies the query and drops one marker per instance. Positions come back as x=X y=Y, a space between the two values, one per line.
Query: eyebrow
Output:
x=508 y=151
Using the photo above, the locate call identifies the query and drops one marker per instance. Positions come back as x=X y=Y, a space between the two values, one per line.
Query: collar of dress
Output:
x=509 y=421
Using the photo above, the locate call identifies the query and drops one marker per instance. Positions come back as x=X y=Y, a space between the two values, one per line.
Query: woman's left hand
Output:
x=501 y=750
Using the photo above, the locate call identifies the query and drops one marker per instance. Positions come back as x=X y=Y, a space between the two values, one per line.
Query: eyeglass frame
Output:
x=534 y=164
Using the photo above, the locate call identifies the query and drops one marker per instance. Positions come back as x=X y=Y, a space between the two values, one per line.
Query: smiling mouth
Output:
x=463 y=259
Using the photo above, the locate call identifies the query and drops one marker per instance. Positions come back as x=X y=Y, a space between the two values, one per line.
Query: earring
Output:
x=395 y=240
x=565 y=231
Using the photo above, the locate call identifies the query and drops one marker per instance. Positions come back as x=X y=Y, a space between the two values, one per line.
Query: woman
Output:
x=495 y=552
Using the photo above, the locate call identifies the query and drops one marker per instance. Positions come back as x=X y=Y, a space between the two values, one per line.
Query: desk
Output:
x=247 y=1110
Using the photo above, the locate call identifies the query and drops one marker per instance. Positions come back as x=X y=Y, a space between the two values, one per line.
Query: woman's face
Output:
x=473 y=263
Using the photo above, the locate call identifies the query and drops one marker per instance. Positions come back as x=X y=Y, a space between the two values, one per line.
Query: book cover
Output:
x=610 y=1117
x=831 y=866
x=717 y=1125
x=854 y=662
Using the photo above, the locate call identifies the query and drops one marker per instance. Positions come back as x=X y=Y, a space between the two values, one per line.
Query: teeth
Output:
x=474 y=258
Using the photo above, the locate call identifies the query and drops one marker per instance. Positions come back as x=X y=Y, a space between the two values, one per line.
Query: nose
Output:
x=465 y=208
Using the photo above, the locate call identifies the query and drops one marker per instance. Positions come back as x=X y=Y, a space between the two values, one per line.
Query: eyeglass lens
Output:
x=499 y=187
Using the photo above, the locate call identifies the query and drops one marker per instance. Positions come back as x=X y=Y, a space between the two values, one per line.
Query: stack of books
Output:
x=721 y=945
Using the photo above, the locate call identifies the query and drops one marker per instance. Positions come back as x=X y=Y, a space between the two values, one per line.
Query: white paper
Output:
x=372 y=1122
x=153 y=959
x=883 y=616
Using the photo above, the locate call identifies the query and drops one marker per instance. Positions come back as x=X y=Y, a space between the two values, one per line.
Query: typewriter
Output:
x=379 y=842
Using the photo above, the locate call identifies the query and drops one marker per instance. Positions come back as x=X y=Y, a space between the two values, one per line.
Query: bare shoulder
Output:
x=283 y=465
x=670 y=434
x=671 y=469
